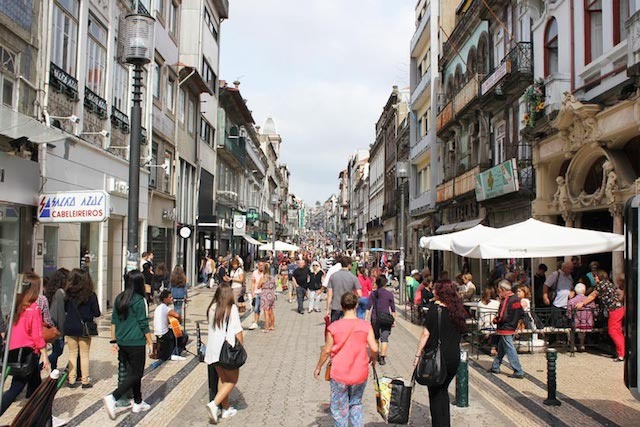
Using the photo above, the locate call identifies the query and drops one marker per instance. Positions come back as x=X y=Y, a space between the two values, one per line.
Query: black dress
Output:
x=450 y=348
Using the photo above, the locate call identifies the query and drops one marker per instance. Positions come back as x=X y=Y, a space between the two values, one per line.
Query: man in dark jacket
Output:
x=509 y=314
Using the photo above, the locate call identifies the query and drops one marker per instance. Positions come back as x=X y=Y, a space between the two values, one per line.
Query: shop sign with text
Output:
x=77 y=206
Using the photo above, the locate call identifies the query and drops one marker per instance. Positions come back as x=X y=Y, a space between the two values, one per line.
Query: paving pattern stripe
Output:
x=160 y=393
x=516 y=395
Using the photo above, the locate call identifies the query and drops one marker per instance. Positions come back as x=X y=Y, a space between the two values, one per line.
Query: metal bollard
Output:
x=462 y=381
x=551 y=400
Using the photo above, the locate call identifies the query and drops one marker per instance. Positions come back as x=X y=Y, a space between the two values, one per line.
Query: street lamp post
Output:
x=402 y=173
x=137 y=50
x=275 y=201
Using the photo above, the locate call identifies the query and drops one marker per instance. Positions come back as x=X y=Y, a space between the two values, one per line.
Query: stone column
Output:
x=617 y=258
x=569 y=219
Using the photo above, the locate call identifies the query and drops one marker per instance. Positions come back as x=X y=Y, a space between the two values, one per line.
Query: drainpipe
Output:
x=573 y=50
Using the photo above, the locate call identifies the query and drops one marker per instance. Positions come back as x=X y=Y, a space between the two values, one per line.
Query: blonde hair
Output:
x=467 y=277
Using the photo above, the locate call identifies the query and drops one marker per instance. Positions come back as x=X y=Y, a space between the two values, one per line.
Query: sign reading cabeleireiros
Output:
x=78 y=206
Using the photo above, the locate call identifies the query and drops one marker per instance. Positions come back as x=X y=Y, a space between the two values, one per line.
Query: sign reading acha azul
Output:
x=80 y=206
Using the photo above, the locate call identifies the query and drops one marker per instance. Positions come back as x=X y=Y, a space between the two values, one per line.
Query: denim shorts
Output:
x=256 y=304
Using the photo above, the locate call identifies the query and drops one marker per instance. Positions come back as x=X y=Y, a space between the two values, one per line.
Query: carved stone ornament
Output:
x=565 y=202
x=577 y=124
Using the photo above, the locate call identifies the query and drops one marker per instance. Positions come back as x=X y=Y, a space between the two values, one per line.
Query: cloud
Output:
x=323 y=69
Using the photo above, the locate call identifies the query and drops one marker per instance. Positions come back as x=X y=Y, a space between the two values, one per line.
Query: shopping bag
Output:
x=393 y=398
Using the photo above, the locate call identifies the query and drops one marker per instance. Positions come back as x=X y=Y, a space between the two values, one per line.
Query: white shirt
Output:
x=161 y=320
x=236 y=274
x=335 y=267
x=486 y=314
x=217 y=335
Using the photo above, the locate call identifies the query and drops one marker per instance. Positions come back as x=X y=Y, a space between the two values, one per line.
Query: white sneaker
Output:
x=253 y=326
x=140 y=407
x=177 y=358
x=110 y=403
x=58 y=422
x=228 y=413
x=213 y=412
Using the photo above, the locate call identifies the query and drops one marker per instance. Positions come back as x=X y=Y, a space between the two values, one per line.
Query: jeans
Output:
x=133 y=357
x=361 y=309
x=346 y=404
x=81 y=345
x=256 y=303
x=17 y=385
x=177 y=305
x=506 y=347
x=57 y=347
x=300 y=294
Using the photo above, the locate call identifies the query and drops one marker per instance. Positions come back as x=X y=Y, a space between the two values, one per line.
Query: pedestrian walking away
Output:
x=178 y=290
x=366 y=286
x=268 y=299
x=82 y=307
x=351 y=345
x=237 y=282
x=129 y=334
x=383 y=315
x=443 y=326
x=223 y=319
x=341 y=282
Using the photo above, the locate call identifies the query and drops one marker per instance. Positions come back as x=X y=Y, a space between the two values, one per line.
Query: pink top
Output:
x=350 y=364
x=365 y=285
x=28 y=331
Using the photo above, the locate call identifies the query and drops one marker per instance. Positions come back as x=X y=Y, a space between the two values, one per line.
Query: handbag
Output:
x=232 y=357
x=89 y=327
x=154 y=351
x=50 y=333
x=327 y=372
x=431 y=370
x=384 y=320
x=21 y=362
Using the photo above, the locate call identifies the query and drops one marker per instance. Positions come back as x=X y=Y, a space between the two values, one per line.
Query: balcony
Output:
x=514 y=73
x=420 y=91
x=457 y=186
x=420 y=202
x=418 y=41
x=420 y=147
x=463 y=98
x=234 y=151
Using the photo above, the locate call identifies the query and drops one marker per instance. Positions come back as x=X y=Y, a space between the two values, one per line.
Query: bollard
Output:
x=551 y=400
x=199 y=351
x=462 y=381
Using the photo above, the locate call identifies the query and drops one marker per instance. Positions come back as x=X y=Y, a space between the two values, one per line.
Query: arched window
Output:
x=459 y=78
x=471 y=64
x=551 y=48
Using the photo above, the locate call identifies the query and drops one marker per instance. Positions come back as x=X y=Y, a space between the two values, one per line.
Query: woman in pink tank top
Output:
x=351 y=344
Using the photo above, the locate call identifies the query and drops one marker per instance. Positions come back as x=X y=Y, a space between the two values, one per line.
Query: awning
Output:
x=417 y=223
x=251 y=240
x=15 y=125
x=458 y=226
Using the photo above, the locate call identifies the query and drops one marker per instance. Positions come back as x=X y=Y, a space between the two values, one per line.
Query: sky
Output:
x=323 y=69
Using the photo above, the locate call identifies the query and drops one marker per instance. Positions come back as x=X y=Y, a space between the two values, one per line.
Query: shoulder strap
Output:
x=439 y=314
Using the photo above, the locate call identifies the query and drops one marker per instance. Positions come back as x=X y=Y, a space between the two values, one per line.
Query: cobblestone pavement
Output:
x=276 y=387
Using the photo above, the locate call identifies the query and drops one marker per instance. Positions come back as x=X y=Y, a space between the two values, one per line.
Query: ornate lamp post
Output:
x=137 y=50
x=402 y=173
x=275 y=201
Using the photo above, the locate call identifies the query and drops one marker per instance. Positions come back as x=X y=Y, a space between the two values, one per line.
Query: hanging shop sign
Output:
x=239 y=225
x=77 y=206
x=497 y=181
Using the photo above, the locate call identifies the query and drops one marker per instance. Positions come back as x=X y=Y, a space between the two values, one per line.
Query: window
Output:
x=182 y=96
x=8 y=74
x=208 y=20
x=172 y=19
x=592 y=29
x=500 y=143
x=551 y=48
x=171 y=88
x=166 y=182
x=498 y=46
x=157 y=70
x=120 y=87
x=209 y=76
x=620 y=16
x=96 y=56
x=153 y=170
x=160 y=9
x=64 y=35
x=206 y=132
x=191 y=116
x=423 y=179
